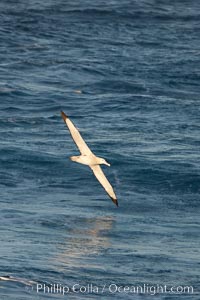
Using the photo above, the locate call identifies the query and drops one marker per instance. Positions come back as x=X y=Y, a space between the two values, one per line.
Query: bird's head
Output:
x=102 y=161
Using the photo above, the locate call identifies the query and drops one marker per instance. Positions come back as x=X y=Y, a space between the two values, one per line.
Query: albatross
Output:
x=88 y=158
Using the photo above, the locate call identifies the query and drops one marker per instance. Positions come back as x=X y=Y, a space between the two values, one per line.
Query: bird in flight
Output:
x=88 y=158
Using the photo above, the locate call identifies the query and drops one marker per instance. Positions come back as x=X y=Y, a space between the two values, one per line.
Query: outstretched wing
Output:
x=82 y=146
x=104 y=182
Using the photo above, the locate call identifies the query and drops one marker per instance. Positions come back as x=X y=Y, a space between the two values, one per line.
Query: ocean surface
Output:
x=127 y=73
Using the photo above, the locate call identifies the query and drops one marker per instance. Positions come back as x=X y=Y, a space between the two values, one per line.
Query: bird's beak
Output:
x=107 y=164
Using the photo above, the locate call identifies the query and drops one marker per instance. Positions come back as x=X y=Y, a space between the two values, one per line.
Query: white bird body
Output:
x=88 y=158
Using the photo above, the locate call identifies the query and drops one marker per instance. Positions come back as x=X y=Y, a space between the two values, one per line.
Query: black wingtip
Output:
x=115 y=201
x=63 y=115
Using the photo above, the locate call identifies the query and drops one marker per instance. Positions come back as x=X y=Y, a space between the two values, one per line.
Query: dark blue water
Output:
x=127 y=73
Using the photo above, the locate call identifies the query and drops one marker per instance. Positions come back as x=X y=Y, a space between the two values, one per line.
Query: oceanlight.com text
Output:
x=112 y=288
